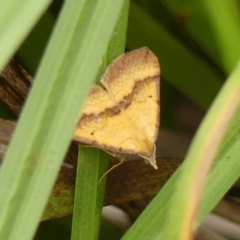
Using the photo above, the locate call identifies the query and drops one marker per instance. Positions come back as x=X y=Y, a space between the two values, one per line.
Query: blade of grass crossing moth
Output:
x=50 y=114
x=93 y=163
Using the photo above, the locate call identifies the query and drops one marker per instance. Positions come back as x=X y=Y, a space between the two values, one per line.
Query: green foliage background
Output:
x=197 y=43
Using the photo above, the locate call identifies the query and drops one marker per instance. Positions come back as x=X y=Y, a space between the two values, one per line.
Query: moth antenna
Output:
x=110 y=153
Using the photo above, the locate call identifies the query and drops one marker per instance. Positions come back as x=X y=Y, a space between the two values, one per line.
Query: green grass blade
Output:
x=86 y=212
x=151 y=223
x=17 y=18
x=70 y=65
x=204 y=147
x=89 y=196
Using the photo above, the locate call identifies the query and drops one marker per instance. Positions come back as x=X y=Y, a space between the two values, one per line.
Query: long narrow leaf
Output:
x=48 y=120
x=86 y=212
x=150 y=225
x=189 y=187
x=89 y=193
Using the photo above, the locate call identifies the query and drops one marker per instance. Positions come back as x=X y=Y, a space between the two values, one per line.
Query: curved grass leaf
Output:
x=226 y=168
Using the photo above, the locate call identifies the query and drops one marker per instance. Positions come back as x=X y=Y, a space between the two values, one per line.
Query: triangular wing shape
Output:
x=124 y=118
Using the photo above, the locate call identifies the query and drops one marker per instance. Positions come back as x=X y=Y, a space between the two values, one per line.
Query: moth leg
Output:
x=67 y=165
x=113 y=167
